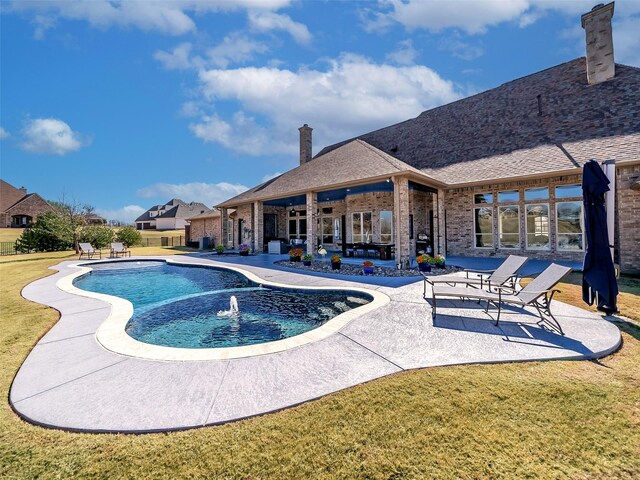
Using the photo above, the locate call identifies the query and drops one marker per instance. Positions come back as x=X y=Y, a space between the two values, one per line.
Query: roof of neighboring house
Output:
x=211 y=213
x=551 y=107
x=9 y=195
x=183 y=210
x=352 y=162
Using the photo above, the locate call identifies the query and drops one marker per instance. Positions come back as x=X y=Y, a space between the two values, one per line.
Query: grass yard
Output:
x=560 y=420
x=10 y=234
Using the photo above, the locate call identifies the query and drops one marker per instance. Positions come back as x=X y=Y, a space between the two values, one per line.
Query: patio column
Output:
x=224 y=216
x=312 y=206
x=439 y=223
x=258 y=227
x=401 y=220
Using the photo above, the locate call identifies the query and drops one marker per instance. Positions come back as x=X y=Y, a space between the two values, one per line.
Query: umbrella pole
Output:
x=609 y=168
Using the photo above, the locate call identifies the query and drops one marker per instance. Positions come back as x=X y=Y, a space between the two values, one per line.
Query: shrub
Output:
x=367 y=263
x=99 y=236
x=243 y=247
x=336 y=259
x=424 y=258
x=129 y=236
x=295 y=252
x=308 y=257
x=50 y=233
x=220 y=248
x=439 y=260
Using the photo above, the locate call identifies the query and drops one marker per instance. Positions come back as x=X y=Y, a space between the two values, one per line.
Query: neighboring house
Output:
x=170 y=216
x=492 y=174
x=18 y=209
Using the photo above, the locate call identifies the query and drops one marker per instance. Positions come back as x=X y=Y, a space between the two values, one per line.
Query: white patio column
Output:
x=401 y=220
x=312 y=206
x=258 y=227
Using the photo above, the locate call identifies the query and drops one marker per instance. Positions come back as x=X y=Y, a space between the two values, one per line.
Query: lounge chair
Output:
x=88 y=250
x=504 y=276
x=538 y=294
x=117 y=248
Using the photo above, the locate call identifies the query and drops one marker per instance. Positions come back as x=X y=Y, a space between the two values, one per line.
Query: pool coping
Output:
x=112 y=335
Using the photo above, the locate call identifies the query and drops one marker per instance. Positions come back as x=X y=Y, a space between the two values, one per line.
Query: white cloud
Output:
x=469 y=15
x=234 y=48
x=268 y=21
x=126 y=214
x=51 y=136
x=459 y=48
x=177 y=59
x=352 y=96
x=208 y=193
x=4 y=134
x=171 y=17
x=270 y=176
x=42 y=24
x=404 y=55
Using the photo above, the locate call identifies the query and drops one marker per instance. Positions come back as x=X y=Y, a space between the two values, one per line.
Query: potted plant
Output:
x=335 y=262
x=425 y=262
x=367 y=267
x=219 y=249
x=295 y=254
x=306 y=260
x=440 y=261
x=243 y=249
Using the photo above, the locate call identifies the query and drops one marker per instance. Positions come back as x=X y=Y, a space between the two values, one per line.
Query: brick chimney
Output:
x=305 y=143
x=597 y=26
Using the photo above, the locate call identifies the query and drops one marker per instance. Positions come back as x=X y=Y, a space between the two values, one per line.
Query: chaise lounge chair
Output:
x=503 y=276
x=88 y=250
x=118 y=248
x=538 y=294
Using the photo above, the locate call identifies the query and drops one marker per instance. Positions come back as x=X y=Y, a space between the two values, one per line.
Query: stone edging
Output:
x=112 y=336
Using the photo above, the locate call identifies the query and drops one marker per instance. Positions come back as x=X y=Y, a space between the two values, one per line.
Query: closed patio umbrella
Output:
x=599 y=279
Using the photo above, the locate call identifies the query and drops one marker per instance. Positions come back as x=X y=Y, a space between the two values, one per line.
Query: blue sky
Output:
x=122 y=105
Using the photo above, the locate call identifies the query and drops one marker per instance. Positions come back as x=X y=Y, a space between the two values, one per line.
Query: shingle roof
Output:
x=356 y=161
x=9 y=195
x=184 y=210
x=508 y=118
x=212 y=213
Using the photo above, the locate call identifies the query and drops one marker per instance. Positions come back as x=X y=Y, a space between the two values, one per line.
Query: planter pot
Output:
x=440 y=266
x=335 y=265
x=368 y=270
x=294 y=259
x=306 y=263
x=244 y=253
x=424 y=267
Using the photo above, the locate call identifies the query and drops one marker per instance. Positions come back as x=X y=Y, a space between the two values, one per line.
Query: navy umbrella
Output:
x=599 y=279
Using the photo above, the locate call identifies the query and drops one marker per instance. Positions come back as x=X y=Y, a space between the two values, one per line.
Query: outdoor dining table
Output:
x=383 y=249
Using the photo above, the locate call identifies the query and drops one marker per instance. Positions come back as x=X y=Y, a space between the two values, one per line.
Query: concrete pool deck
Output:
x=70 y=381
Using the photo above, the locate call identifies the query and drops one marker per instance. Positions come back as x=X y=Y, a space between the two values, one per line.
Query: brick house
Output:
x=205 y=225
x=170 y=216
x=492 y=174
x=18 y=209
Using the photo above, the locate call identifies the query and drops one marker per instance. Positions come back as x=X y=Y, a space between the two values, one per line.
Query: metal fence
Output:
x=163 y=241
x=7 y=248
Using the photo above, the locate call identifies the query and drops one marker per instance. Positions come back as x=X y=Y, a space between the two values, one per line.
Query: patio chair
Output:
x=88 y=250
x=118 y=248
x=538 y=294
x=504 y=276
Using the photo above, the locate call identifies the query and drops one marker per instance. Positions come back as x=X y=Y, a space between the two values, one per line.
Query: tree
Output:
x=51 y=232
x=129 y=236
x=97 y=235
x=75 y=215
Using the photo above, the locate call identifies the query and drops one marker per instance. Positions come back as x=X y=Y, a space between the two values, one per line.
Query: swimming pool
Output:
x=189 y=306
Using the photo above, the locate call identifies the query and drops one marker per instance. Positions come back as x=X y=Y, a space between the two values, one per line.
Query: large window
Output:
x=361 y=227
x=326 y=227
x=483 y=226
x=537 y=226
x=230 y=232
x=509 y=223
x=386 y=226
x=297 y=225
x=569 y=226
x=568 y=191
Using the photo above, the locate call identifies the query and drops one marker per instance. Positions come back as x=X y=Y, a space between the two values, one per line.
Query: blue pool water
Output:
x=178 y=306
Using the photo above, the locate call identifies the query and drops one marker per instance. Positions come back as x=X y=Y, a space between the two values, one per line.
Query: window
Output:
x=537 y=226
x=568 y=191
x=326 y=230
x=509 y=223
x=297 y=225
x=336 y=229
x=511 y=196
x=361 y=227
x=483 y=198
x=569 y=226
x=483 y=227
x=230 y=232
x=386 y=226
x=532 y=194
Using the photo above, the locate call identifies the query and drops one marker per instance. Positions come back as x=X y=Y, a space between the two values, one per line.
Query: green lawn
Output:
x=10 y=234
x=531 y=420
